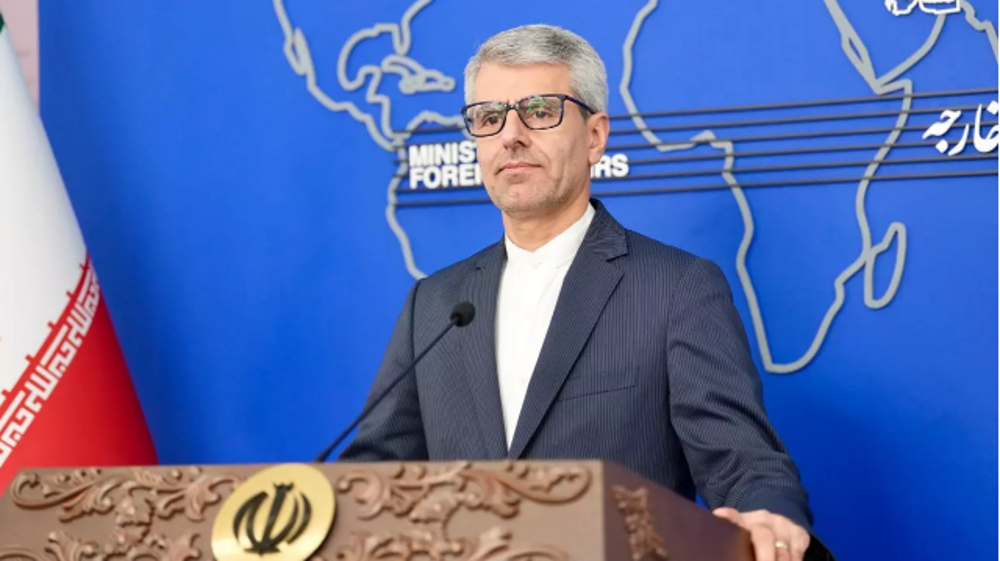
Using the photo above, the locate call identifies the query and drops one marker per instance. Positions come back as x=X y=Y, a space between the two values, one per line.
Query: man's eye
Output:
x=489 y=119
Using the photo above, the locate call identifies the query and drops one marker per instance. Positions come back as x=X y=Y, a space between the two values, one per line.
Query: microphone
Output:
x=461 y=315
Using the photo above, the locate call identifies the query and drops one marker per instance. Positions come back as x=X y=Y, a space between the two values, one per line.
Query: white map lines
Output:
x=858 y=54
x=414 y=78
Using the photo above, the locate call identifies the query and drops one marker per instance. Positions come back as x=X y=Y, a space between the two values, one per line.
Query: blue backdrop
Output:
x=230 y=164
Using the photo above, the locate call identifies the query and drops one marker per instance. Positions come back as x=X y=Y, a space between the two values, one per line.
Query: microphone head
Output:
x=463 y=313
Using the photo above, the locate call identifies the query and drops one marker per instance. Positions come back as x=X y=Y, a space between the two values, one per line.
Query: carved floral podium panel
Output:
x=427 y=511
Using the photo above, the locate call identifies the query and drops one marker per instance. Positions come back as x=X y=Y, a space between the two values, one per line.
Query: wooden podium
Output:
x=424 y=511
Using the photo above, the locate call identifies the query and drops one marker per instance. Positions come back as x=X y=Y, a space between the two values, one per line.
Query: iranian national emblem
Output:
x=283 y=513
x=244 y=527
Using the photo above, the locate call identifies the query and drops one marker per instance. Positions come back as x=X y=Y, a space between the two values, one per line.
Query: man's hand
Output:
x=775 y=538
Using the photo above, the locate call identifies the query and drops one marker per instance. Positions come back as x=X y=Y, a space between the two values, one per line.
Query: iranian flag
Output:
x=66 y=398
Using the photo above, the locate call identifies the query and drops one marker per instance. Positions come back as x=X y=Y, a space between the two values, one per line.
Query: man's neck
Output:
x=532 y=232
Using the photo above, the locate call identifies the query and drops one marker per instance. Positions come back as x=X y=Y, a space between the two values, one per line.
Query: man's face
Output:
x=533 y=172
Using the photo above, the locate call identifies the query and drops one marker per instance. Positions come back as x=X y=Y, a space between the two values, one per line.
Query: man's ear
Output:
x=598 y=129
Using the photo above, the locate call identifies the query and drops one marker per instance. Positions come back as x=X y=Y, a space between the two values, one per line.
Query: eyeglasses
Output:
x=537 y=112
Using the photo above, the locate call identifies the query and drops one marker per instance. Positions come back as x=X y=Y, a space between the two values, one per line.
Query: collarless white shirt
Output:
x=529 y=288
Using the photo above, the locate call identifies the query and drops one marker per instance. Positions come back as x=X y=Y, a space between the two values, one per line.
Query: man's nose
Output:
x=514 y=131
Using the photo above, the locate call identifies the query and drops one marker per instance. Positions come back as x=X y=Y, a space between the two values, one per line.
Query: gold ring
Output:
x=780 y=544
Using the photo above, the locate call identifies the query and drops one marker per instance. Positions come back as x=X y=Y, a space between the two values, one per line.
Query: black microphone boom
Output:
x=461 y=315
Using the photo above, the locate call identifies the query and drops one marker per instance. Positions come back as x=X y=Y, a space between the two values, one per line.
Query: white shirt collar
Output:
x=558 y=251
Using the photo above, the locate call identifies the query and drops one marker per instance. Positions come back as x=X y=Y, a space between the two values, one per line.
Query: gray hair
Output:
x=547 y=44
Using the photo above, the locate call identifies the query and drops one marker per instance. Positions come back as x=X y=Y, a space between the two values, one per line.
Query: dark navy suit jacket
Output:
x=645 y=363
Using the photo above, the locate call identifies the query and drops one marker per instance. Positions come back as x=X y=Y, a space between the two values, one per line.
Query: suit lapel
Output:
x=479 y=350
x=589 y=283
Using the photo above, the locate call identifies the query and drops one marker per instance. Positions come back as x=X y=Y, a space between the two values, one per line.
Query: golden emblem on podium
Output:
x=282 y=513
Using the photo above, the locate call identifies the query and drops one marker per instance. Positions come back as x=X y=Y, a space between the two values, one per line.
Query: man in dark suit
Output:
x=590 y=340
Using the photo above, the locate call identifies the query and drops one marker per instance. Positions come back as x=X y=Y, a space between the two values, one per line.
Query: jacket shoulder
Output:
x=665 y=267
x=645 y=252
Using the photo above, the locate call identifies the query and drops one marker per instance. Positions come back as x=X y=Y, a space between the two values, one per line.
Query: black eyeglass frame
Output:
x=563 y=98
